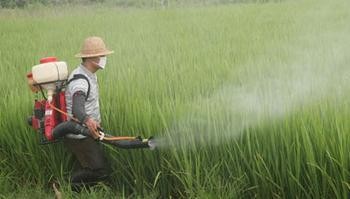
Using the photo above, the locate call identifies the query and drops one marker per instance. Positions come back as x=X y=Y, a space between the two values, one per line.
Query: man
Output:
x=82 y=100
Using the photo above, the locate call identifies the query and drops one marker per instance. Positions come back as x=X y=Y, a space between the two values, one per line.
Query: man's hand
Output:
x=92 y=126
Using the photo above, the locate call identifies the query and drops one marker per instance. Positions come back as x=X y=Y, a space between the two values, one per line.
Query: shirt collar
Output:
x=89 y=73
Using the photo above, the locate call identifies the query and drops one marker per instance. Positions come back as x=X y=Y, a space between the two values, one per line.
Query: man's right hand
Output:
x=92 y=126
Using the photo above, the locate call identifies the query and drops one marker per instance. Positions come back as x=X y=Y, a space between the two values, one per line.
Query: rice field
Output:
x=246 y=100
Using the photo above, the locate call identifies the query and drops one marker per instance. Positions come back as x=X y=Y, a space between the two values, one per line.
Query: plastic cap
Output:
x=47 y=60
x=29 y=75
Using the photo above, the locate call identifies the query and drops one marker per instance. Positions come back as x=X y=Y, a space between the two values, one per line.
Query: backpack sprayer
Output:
x=50 y=118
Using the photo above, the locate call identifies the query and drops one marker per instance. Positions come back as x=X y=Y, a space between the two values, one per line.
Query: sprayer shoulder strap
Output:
x=81 y=76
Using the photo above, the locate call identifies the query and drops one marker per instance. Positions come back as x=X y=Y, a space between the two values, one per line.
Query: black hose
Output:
x=128 y=144
x=69 y=127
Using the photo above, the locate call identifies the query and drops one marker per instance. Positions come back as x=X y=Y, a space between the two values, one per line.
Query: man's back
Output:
x=92 y=106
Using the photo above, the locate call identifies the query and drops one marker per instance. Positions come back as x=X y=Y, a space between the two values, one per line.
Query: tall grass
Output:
x=247 y=100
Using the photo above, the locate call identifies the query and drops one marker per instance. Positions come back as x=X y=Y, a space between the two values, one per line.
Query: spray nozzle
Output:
x=151 y=143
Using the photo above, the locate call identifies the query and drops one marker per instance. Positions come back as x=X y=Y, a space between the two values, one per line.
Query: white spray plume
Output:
x=261 y=96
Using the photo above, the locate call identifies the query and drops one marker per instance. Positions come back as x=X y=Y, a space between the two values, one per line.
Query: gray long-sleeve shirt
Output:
x=92 y=107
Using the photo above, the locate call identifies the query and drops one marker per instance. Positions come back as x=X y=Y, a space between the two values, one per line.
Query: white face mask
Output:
x=102 y=63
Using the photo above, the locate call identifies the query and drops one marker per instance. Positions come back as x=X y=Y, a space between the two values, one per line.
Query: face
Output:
x=102 y=62
x=98 y=62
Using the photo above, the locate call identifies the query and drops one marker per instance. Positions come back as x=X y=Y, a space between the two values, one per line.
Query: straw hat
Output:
x=93 y=47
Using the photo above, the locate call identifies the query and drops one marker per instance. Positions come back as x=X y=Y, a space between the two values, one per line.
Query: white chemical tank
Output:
x=48 y=73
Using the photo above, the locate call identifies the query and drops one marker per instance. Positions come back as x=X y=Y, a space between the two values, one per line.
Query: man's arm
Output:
x=78 y=110
x=78 y=107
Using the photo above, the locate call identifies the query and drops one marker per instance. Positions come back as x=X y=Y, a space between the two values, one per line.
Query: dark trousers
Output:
x=91 y=166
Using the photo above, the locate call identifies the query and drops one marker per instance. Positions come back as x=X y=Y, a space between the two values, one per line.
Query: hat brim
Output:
x=80 y=55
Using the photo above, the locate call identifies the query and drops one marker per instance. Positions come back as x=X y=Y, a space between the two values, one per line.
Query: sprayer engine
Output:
x=45 y=119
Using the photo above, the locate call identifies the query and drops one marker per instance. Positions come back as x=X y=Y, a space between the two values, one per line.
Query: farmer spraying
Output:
x=82 y=99
x=69 y=110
